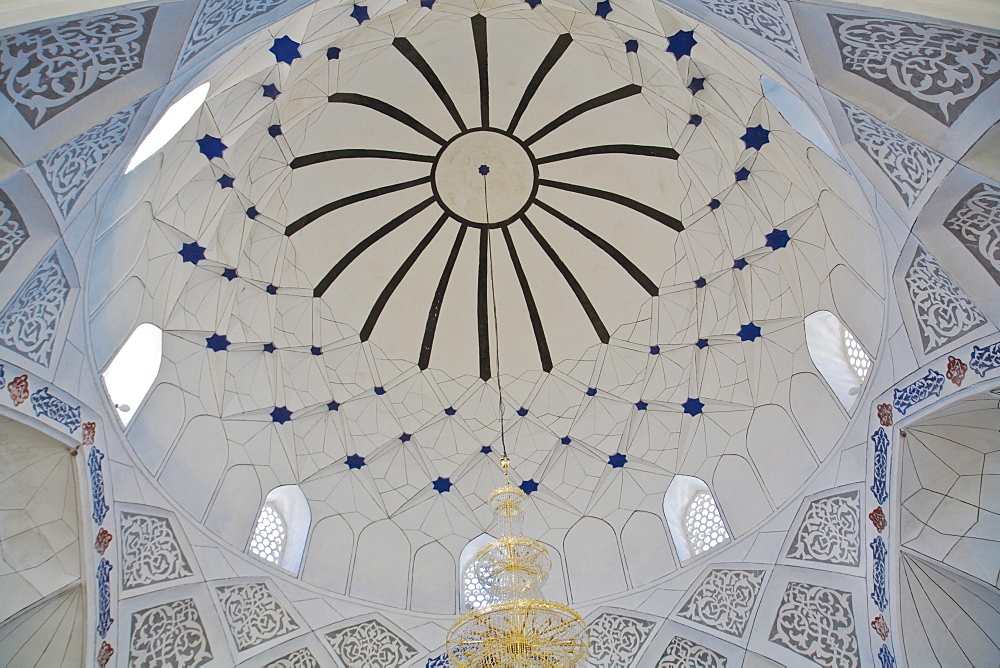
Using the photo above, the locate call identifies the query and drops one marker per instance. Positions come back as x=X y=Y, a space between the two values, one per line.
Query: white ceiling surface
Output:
x=206 y=434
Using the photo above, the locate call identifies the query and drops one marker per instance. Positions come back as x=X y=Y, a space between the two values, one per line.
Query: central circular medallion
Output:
x=485 y=178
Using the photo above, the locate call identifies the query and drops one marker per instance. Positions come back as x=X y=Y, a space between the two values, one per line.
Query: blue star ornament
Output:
x=641 y=405
x=740 y=264
x=354 y=461
x=271 y=91
x=225 y=181
x=776 y=239
x=533 y=3
x=285 y=49
x=749 y=332
x=427 y=4
x=271 y=289
x=603 y=9
x=405 y=437
x=486 y=449
x=617 y=460
x=700 y=282
x=211 y=147
x=681 y=43
x=756 y=137
x=333 y=406
x=702 y=343
x=229 y=274
x=269 y=348
x=631 y=46
x=192 y=252
x=591 y=391
x=742 y=174
x=693 y=406
x=359 y=13
x=484 y=169
x=281 y=414
x=450 y=411
x=252 y=213
x=217 y=342
x=522 y=411
x=565 y=440
x=697 y=84
x=333 y=53
x=441 y=485
x=529 y=486
x=274 y=130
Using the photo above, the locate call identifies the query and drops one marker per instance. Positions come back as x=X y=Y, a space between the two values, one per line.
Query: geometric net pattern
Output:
x=860 y=360
x=703 y=524
x=268 y=536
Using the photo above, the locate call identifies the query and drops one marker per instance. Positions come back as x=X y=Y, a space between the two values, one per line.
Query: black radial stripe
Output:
x=410 y=52
x=397 y=278
x=642 y=279
x=298 y=225
x=365 y=244
x=389 y=110
x=581 y=295
x=482 y=57
x=536 y=322
x=435 y=310
x=644 y=209
x=551 y=58
x=631 y=149
x=342 y=154
x=584 y=107
x=482 y=305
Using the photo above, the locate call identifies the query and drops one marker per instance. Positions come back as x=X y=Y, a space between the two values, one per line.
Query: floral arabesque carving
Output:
x=684 y=652
x=956 y=370
x=616 y=640
x=724 y=600
x=818 y=623
x=975 y=221
x=830 y=531
x=253 y=614
x=150 y=551
x=764 y=18
x=939 y=69
x=29 y=322
x=300 y=658
x=18 y=389
x=217 y=17
x=13 y=231
x=370 y=644
x=878 y=520
x=171 y=629
x=943 y=310
x=102 y=540
x=46 y=70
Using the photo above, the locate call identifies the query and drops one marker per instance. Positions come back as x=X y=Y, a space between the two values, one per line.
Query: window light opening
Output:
x=279 y=535
x=475 y=594
x=133 y=370
x=695 y=520
x=794 y=110
x=837 y=355
x=179 y=113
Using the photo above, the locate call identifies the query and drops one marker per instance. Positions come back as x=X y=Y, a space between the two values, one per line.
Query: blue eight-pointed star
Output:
x=359 y=13
x=776 y=239
x=211 y=147
x=603 y=8
x=192 y=252
x=271 y=91
x=354 y=461
x=285 y=49
x=281 y=414
x=441 y=485
x=217 y=342
x=617 y=460
x=749 y=332
x=756 y=137
x=529 y=486
x=681 y=43
x=693 y=406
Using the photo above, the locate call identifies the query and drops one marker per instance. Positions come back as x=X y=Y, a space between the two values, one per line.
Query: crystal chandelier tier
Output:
x=516 y=627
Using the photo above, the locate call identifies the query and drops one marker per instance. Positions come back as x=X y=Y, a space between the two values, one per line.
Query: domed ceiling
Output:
x=335 y=241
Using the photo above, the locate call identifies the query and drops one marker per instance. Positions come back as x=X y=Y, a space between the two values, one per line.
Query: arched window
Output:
x=837 y=355
x=279 y=535
x=798 y=115
x=695 y=521
x=179 y=113
x=474 y=593
x=133 y=370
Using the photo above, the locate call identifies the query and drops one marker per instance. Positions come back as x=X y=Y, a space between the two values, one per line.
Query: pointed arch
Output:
x=837 y=355
x=282 y=526
x=693 y=515
x=473 y=593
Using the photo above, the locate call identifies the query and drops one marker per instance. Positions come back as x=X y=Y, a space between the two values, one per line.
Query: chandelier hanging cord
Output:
x=496 y=320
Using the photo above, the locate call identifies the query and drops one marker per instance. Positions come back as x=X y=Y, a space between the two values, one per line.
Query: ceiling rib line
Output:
x=398 y=277
x=644 y=209
x=405 y=47
x=389 y=110
x=582 y=108
x=529 y=301
x=348 y=153
x=548 y=62
x=435 y=310
x=629 y=149
x=482 y=60
x=482 y=306
x=640 y=277
x=367 y=243
x=312 y=216
x=581 y=295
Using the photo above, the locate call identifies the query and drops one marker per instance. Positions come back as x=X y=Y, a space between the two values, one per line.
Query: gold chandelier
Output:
x=516 y=628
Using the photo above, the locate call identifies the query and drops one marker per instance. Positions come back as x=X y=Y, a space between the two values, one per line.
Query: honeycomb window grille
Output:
x=859 y=359
x=268 y=541
x=703 y=524
x=473 y=592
